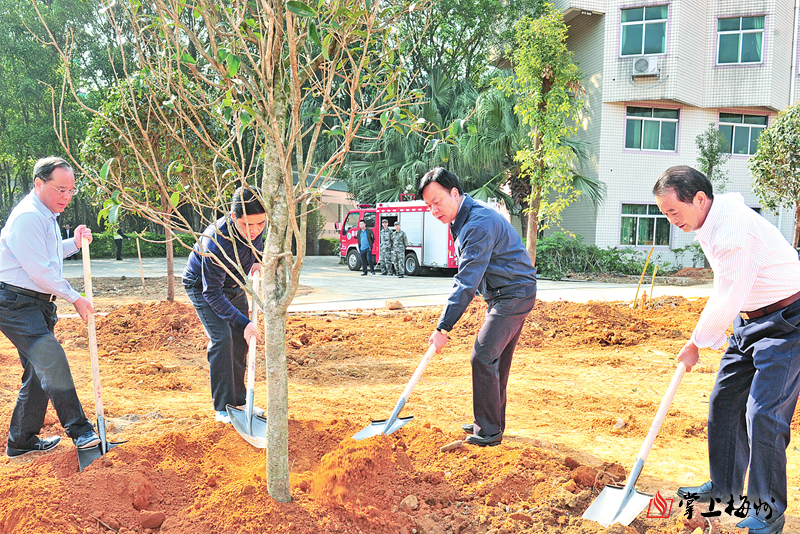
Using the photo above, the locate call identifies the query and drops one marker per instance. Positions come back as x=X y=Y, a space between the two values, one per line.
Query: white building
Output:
x=656 y=75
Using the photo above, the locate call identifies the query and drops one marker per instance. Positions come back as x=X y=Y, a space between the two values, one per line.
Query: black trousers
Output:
x=367 y=258
x=491 y=360
x=28 y=323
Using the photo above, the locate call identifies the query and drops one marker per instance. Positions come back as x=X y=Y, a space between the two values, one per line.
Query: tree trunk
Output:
x=274 y=289
x=796 y=235
x=165 y=207
x=533 y=224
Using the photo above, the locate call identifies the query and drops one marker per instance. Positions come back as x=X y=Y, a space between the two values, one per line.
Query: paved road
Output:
x=338 y=288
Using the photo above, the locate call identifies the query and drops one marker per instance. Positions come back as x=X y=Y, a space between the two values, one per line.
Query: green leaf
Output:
x=186 y=58
x=326 y=43
x=246 y=118
x=384 y=118
x=300 y=9
x=105 y=169
x=102 y=214
x=233 y=65
x=174 y=199
x=313 y=33
x=113 y=214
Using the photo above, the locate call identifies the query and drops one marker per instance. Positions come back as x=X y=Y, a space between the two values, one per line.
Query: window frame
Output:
x=652 y=108
x=654 y=216
x=644 y=23
x=740 y=32
x=742 y=124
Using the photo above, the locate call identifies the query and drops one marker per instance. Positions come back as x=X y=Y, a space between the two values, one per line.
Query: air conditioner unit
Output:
x=645 y=66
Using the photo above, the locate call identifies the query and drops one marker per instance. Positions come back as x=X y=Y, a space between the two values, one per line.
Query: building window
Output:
x=740 y=40
x=741 y=132
x=644 y=31
x=651 y=128
x=643 y=224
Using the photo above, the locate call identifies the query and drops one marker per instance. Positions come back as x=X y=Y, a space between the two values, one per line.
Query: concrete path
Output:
x=338 y=288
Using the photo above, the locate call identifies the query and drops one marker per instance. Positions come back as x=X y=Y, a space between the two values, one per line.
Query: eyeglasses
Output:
x=61 y=191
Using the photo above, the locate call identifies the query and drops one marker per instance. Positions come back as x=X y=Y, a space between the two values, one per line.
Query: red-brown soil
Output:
x=585 y=385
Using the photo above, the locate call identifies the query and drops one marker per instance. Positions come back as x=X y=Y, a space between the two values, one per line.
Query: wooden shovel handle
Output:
x=90 y=324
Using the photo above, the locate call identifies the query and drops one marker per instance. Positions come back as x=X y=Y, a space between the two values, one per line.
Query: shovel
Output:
x=387 y=426
x=253 y=428
x=616 y=504
x=89 y=455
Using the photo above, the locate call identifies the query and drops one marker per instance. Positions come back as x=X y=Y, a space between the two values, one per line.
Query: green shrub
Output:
x=329 y=247
x=559 y=255
x=103 y=245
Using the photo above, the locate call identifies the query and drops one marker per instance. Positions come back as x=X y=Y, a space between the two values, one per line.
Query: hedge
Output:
x=103 y=245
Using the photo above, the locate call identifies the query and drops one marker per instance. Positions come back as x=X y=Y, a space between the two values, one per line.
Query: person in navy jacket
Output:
x=213 y=280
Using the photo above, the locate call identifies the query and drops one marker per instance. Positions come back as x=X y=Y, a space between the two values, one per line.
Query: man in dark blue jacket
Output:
x=366 y=239
x=213 y=280
x=492 y=261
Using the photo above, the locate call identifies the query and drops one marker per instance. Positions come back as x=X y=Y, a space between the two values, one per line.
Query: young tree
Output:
x=776 y=165
x=255 y=65
x=548 y=90
x=714 y=151
x=135 y=101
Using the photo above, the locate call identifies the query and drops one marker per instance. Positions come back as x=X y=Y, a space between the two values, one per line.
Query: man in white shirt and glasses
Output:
x=757 y=288
x=32 y=253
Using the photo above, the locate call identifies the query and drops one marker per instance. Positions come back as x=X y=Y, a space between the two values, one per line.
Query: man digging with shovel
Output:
x=493 y=261
x=757 y=288
x=32 y=256
x=219 y=300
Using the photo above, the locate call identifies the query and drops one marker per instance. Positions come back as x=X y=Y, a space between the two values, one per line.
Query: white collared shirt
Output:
x=32 y=252
x=754 y=266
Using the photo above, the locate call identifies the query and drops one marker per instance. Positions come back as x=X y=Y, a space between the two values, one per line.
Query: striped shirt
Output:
x=754 y=266
x=32 y=252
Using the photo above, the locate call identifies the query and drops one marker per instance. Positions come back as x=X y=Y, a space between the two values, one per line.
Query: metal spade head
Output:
x=253 y=429
x=614 y=506
x=376 y=428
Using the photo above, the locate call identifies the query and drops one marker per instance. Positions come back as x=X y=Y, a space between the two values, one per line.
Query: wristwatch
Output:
x=441 y=331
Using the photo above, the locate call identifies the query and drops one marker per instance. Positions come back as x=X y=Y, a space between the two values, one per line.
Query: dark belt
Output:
x=47 y=297
x=772 y=308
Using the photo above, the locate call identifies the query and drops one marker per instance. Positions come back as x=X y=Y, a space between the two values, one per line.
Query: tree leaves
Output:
x=300 y=9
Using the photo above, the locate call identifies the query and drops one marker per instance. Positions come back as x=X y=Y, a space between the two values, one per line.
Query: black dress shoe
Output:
x=468 y=428
x=759 y=526
x=43 y=446
x=702 y=493
x=485 y=441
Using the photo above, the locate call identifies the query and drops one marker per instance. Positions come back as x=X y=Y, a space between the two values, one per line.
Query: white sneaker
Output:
x=256 y=409
x=222 y=417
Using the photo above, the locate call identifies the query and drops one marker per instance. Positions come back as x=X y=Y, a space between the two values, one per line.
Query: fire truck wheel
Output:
x=411 y=264
x=353 y=260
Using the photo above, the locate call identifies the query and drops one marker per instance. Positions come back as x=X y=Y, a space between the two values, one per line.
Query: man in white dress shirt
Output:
x=757 y=288
x=32 y=253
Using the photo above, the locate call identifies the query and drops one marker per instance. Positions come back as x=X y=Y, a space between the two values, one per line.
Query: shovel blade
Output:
x=376 y=428
x=253 y=430
x=87 y=456
x=611 y=506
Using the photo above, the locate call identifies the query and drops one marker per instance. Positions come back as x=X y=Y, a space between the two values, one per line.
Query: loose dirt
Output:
x=585 y=384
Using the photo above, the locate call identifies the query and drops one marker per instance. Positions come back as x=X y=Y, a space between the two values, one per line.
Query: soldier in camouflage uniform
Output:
x=386 y=248
x=399 y=244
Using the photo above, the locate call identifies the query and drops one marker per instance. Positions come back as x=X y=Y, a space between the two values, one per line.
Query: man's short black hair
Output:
x=43 y=169
x=441 y=176
x=685 y=181
x=246 y=200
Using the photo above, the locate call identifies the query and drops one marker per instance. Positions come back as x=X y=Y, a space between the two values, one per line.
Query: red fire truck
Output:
x=430 y=244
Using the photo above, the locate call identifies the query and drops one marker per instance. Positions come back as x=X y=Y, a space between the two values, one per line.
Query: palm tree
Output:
x=494 y=138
